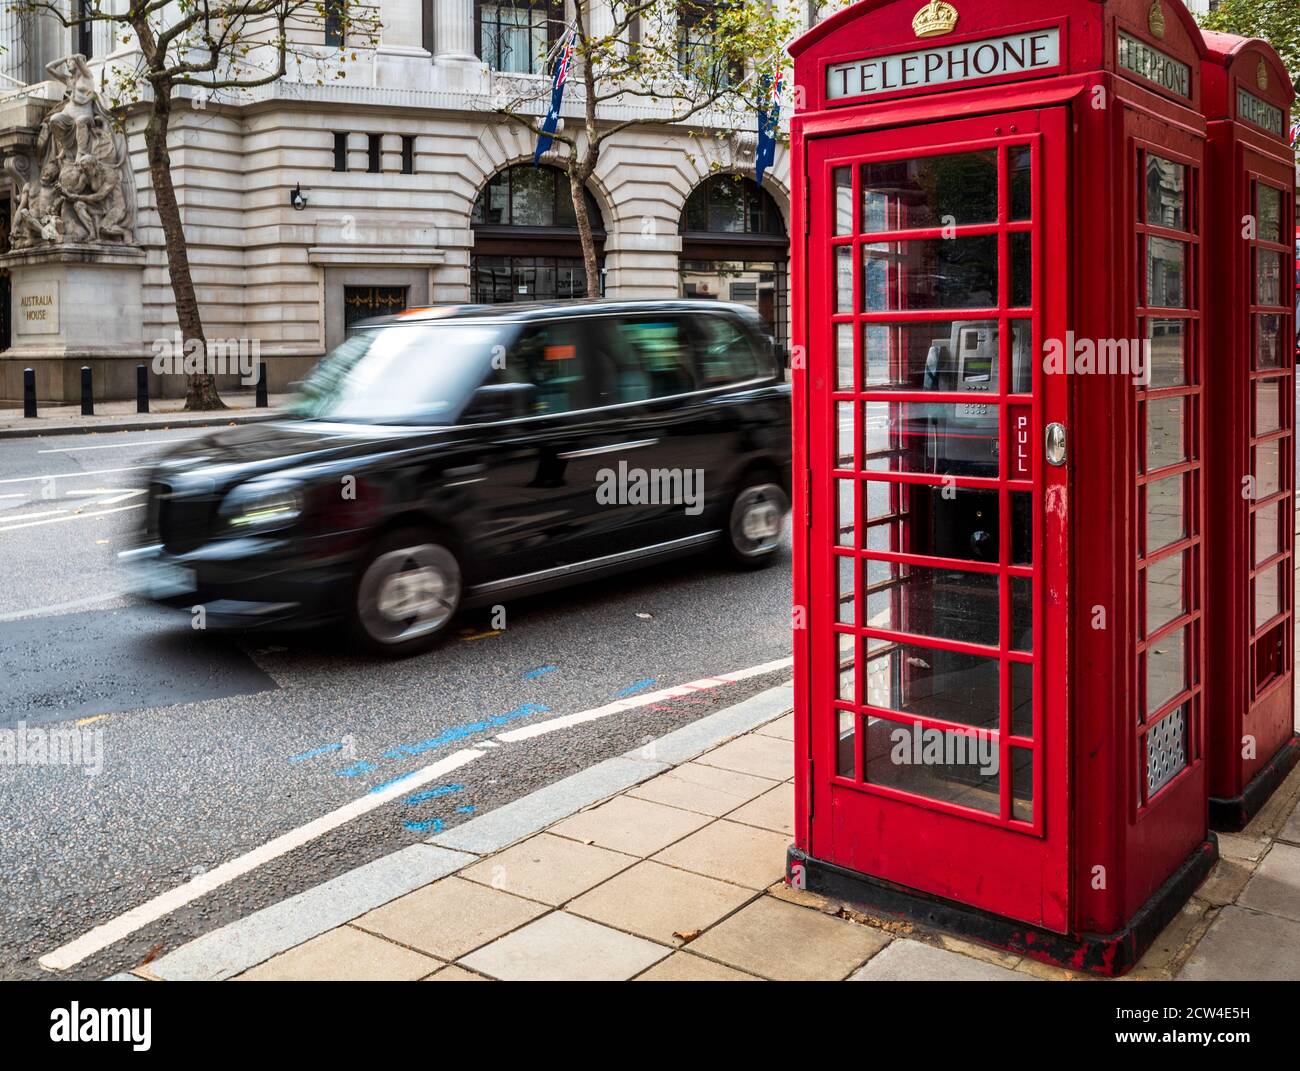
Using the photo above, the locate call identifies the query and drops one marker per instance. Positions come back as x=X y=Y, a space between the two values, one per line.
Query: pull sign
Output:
x=1022 y=462
x=1055 y=444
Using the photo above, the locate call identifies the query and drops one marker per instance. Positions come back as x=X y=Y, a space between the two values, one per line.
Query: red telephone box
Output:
x=1250 y=684
x=1000 y=688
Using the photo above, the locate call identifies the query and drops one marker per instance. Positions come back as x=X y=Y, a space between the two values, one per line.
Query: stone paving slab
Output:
x=782 y=728
x=705 y=789
x=1243 y=946
x=1275 y=886
x=560 y=947
x=548 y=868
x=450 y=917
x=731 y=852
x=683 y=967
x=777 y=940
x=772 y=810
x=344 y=954
x=912 y=961
x=660 y=902
x=1291 y=831
x=452 y=973
x=760 y=756
x=627 y=824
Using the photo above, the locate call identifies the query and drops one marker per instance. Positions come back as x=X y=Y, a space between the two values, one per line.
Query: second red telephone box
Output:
x=1000 y=689
x=1250 y=628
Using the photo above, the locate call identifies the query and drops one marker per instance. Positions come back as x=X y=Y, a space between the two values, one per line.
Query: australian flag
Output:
x=769 y=120
x=552 y=120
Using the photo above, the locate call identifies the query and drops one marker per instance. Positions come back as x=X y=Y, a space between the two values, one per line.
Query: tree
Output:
x=1276 y=21
x=206 y=48
x=694 y=59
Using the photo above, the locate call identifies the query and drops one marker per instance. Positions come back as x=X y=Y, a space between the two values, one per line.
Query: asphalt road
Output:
x=209 y=746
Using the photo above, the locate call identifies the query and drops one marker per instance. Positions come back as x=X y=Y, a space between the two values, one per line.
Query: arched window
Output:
x=735 y=248
x=526 y=244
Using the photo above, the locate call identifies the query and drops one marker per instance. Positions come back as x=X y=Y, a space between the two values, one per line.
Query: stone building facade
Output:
x=404 y=189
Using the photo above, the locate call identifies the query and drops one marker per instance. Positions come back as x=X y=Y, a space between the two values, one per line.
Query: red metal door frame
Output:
x=1268 y=706
x=1158 y=829
x=991 y=860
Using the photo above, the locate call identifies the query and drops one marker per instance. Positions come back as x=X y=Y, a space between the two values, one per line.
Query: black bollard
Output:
x=29 y=392
x=141 y=389
x=261 y=385
x=87 y=392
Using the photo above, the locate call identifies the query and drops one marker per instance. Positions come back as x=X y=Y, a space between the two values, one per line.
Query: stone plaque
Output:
x=36 y=308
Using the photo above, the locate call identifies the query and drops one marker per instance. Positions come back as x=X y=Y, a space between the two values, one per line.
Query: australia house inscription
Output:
x=37 y=305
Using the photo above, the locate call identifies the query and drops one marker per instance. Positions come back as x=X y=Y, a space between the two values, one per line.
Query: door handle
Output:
x=465 y=470
x=612 y=448
x=1054 y=444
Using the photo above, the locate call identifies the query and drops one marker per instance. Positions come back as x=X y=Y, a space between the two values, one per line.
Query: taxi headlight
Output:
x=261 y=505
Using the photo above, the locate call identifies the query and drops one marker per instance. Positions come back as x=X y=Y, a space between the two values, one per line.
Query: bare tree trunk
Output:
x=201 y=389
x=577 y=191
x=582 y=168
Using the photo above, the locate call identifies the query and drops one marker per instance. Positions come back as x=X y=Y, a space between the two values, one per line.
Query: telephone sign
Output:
x=1016 y=54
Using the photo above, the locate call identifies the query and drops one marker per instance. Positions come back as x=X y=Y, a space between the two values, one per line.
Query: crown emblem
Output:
x=935 y=19
x=1156 y=19
x=1263 y=75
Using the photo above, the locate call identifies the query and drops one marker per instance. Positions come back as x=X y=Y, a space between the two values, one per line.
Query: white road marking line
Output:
x=72 y=475
x=110 y=446
x=59 y=607
x=33 y=516
x=566 y=721
x=70 y=517
x=90 y=492
x=117 y=494
x=137 y=918
x=122 y=497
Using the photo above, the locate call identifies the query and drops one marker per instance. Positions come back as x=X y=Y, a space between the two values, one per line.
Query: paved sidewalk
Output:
x=121 y=416
x=678 y=877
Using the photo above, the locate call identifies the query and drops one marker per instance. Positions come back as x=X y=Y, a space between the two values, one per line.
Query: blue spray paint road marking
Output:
x=467 y=809
x=356 y=769
x=304 y=756
x=432 y=794
x=433 y=825
x=632 y=689
x=540 y=671
x=393 y=781
x=459 y=732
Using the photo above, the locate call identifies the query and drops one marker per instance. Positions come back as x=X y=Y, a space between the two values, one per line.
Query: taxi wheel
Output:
x=756 y=523
x=407 y=591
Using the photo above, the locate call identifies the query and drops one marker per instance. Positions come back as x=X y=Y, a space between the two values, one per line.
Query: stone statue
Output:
x=38 y=218
x=84 y=190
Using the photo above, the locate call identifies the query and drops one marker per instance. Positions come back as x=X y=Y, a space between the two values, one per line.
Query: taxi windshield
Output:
x=401 y=374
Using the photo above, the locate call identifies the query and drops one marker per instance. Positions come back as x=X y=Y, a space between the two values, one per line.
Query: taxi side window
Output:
x=645 y=357
x=726 y=353
x=549 y=357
